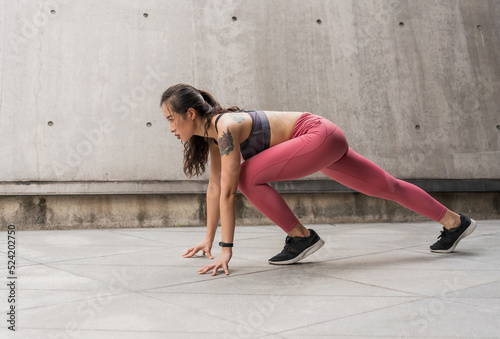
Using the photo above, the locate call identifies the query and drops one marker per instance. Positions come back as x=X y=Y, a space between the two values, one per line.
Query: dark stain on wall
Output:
x=33 y=210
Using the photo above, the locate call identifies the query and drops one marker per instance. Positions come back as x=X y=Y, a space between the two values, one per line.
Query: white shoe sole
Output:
x=467 y=232
x=307 y=252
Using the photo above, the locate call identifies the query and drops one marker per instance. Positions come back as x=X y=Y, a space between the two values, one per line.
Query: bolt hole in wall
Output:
x=417 y=127
x=145 y=15
x=479 y=27
x=498 y=127
x=50 y=123
x=235 y=18
x=401 y=24
x=53 y=11
x=149 y=124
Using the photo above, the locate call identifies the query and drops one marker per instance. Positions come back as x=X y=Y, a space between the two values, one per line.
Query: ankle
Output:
x=450 y=220
x=454 y=223
x=299 y=231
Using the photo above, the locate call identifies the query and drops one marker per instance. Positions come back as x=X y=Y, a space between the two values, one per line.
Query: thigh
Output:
x=360 y=174
x=298 y=157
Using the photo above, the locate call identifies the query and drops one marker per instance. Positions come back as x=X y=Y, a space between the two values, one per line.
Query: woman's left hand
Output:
x=221 y=262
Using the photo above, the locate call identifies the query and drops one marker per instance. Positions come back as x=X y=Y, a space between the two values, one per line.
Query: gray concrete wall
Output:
x=414 y=84
x=96 y=70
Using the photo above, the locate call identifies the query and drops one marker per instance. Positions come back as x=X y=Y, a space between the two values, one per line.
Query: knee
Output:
x=395 y=188
x=389 y=188
x=393 y=184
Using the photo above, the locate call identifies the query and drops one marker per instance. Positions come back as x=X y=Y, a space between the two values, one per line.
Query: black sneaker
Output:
x=448 y=239
x=297 y=248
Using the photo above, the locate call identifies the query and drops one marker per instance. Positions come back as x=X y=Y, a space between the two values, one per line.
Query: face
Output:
x=183 y=128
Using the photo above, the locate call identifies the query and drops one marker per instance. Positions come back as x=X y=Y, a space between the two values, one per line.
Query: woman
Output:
x=280 y=146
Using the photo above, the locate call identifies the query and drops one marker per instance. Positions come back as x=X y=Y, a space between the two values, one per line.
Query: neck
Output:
x=200 y=129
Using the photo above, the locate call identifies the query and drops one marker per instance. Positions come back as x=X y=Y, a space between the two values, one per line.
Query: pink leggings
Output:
x=317 y=144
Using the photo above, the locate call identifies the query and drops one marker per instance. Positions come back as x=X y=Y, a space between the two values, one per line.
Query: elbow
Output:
x=228 y=196
x=213 y=191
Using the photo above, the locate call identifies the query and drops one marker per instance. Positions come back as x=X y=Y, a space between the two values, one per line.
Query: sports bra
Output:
x=259 y=138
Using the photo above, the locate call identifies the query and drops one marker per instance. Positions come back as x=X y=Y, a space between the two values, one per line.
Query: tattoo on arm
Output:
x=238 y=117
x=226 y=144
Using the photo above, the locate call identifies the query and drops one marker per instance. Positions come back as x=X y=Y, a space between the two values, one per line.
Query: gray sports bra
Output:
x=260 y=137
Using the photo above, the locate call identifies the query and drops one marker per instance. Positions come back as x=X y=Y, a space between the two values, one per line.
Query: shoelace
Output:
x=444 y=233
x=288 y=242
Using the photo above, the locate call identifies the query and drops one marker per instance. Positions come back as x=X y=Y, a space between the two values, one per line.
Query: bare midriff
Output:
x=281 y=124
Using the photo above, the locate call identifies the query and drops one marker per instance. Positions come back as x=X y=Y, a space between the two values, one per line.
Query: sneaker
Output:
x=297 y=248
x=448 y=239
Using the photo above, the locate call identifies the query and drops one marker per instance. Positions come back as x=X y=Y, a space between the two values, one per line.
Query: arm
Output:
x=230 y=165
x=213 y=196
x=229 y=146
x=213 y=191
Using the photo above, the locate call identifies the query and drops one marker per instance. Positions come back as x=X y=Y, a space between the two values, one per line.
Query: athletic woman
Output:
x=277 y=146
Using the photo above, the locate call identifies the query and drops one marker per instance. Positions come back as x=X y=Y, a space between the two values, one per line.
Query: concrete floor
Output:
x=368 y=281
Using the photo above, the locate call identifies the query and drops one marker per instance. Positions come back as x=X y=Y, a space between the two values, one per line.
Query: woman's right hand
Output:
x=205 y=245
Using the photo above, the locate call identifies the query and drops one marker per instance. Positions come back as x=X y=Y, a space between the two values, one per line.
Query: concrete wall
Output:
x=414 y=84
x=124 y=211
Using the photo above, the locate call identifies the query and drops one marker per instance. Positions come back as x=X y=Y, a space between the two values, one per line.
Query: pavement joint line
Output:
x=136 y=236
x=24 y=258
x=201 y=310
x=80 y=275
x=219 y=276
x=456 y=300
x=356 y=256
x=378 y=286
x=299 y=295
x=98 y=245
x=466 y=288
x=94 y=257
x=352 y=315
x=115 y=330
x=445 y=255
x=76 y=300
x=449 y=255
x=486 y=262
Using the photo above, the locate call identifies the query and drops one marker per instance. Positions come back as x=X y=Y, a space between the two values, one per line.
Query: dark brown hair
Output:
x=181 y=97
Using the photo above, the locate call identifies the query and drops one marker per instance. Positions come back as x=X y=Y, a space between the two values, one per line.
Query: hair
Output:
x=181 y=97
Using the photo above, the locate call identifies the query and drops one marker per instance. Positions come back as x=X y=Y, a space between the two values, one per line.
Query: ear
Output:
x=191 y=113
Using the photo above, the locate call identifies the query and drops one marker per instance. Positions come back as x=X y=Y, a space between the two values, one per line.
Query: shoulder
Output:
x=232 y=118
x=232 y=127
x=233 y=123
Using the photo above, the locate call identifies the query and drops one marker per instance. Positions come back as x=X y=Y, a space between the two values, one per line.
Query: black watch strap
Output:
x=225 y=244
